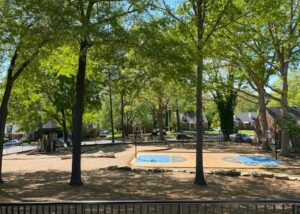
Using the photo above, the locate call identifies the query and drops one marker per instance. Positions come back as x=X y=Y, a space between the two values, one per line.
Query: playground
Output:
x=216 y=156
x=45 y=176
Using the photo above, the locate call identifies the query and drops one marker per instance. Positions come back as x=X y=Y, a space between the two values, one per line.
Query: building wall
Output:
x=11 y=131
x=246 y=126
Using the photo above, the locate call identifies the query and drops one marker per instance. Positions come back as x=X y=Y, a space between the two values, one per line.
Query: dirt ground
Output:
x=45 y=177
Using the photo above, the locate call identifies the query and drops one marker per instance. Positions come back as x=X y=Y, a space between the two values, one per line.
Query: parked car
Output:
x=12 y=143
x=184 y=137
x=104 y=133
x=156 y=132
x=241 y=138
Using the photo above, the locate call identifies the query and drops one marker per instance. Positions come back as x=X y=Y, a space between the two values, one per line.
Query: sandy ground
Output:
x=125 y=154
x=45 y=177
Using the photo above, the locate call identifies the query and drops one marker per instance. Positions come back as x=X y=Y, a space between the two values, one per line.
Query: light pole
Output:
x=110 y=107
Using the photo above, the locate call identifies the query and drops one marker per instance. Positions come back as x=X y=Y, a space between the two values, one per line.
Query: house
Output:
x=188 y=121
x=12 y=131
x=274 y=113
x=245 y=120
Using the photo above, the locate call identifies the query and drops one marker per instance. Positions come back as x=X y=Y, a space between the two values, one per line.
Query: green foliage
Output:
x=295 y=150
x=225 y=99
x=294 y=89
x=293 y=93
x=290 y=124
x=211 y=113
x=248 y=132
x=244 y=105
x=152 y=60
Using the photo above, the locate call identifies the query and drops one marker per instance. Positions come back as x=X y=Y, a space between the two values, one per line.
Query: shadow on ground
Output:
x=89 y=149
x=112 y=185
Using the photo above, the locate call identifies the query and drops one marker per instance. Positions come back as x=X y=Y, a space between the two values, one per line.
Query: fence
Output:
x=152 y=207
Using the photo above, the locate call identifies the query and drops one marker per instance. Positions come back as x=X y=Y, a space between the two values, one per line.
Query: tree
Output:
x=88 y=23
x=225 y=98
x=17 y=28
x=48 y=95
x=250 y=54
x=199 y=20
x=285 y=40
x=156 y=78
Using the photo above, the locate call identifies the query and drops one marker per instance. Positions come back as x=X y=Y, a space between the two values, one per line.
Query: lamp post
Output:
x=135 y=132
x=110 y=107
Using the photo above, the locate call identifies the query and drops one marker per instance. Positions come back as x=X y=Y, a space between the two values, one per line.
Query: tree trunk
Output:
x=4 y=103
x=263 y=120
x=160 y=119
x=284 y=113
x=166 y=117
x=111 y=109
x=170 y=118
x=3 y=117
x=122 y=116
x=78 y=113
x=154 y=119
x=65 y=129
x=177 y=118
x=199 y=178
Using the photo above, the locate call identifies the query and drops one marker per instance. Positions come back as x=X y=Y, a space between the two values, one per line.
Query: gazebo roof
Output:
x=50 y=125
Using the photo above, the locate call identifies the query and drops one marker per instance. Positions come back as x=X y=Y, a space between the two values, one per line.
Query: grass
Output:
x=211 y=132
x=193 y=132
x=117 y=135
x=248 y=132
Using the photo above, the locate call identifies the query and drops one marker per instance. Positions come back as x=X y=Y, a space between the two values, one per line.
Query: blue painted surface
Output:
x=258 y=160
x=153 y=159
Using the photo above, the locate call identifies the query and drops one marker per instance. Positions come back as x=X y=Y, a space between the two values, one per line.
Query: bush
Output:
x=295 y=150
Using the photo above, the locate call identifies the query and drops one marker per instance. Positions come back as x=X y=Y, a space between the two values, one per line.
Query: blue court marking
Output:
x=153 y=159
x=258 y=160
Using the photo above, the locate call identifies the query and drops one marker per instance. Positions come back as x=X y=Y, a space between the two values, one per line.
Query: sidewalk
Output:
x=101 y=142
x=17 y=149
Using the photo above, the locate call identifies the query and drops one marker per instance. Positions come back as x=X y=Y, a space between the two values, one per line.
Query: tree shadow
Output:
x=109 y=148
x=89 y=149
x=118 y=185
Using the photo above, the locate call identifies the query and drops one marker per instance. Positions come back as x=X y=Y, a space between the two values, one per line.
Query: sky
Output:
x=174 y=2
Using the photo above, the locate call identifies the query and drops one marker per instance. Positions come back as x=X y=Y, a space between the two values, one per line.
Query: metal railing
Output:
x=153 y=207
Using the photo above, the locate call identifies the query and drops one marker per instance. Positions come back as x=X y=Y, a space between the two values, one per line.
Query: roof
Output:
x=190 y=117
x=275 y=112
x=245 y=117
x=50 y=125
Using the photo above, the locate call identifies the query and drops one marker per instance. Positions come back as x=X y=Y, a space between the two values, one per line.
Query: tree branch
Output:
x=221 y=14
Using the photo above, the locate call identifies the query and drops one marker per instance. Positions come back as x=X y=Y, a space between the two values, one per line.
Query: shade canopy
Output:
x=50 y=125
